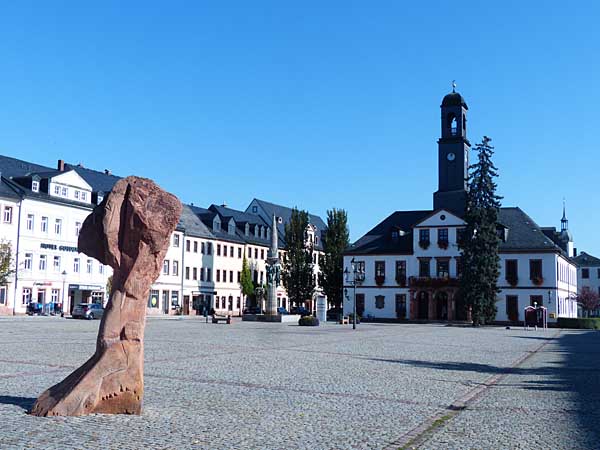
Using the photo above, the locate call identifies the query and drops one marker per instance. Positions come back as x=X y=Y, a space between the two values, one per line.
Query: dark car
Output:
x=88 y=311
x=34 y=308
x=282 y=311
x=301 y=310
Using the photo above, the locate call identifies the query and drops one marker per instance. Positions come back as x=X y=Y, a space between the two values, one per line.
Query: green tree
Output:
x=6 y=262
x=246 y=283
x=297 y=270
x=479 y=248
x=335 y=241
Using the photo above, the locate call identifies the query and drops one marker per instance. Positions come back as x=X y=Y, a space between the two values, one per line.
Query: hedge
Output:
x=587 y=323
x=308 y=321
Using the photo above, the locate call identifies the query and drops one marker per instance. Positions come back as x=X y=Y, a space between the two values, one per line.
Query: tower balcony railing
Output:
x=432 y=282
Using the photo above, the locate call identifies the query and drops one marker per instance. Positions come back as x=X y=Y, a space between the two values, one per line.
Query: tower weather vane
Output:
x=453 y=85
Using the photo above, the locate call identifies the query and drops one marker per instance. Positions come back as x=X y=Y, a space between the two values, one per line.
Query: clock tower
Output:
x=453 y=156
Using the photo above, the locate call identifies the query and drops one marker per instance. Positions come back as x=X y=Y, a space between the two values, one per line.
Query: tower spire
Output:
x=274 y=238
x=564 y=222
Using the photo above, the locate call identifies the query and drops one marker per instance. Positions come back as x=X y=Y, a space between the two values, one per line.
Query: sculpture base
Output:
x=279 y=318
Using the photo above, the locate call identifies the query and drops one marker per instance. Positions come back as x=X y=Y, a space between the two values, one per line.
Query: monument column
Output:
x=273 y=272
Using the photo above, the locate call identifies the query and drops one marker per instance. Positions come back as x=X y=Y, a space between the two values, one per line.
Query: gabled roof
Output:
x=192 y=224
x=586 y=260
x=100 y=181
x=523 y=233
x=285 y=213
x=12 y=167
x=380 y=241
x=8 y=189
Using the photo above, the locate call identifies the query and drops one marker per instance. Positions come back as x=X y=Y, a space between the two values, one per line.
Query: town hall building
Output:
x=408 y=266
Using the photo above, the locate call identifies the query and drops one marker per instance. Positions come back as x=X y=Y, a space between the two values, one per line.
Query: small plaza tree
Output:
x=246 y=284
x=297 y=270
x=335 y=241
x=588 y=300
x=6 y=262
x=479 y=248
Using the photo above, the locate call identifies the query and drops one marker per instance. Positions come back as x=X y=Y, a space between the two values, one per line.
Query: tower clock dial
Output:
x=451 y=156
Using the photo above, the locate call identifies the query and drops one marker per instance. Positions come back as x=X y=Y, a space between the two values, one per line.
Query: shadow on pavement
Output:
x=24 y=402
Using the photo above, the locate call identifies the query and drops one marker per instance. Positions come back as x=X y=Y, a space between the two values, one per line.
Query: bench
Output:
x=217 y=319
x=345 y=320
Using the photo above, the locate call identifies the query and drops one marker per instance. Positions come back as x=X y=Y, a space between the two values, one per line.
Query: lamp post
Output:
x=64 y=280
x=354 y=276
x=549 y=297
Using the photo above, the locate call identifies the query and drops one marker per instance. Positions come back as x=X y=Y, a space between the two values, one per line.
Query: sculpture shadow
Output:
x=23 y=402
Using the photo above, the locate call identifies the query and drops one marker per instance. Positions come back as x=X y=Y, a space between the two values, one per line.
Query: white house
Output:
x=588 y=273
x=408 y=265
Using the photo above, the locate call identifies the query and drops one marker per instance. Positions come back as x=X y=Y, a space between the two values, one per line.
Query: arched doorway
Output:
x=423 y=304
x=441 y=306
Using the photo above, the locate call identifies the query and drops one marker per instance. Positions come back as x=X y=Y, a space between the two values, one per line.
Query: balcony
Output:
x=429 y=282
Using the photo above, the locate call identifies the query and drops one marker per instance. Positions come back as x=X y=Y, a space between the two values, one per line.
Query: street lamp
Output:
x=549 y=297
x=353 y=276
x=64 y=280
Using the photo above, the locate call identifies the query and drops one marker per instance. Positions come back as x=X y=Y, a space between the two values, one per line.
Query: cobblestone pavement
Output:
x=273 y=386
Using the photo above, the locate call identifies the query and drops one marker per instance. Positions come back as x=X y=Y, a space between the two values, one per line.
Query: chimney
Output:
x=61 y=165
x=107 y=172
x=574 y=252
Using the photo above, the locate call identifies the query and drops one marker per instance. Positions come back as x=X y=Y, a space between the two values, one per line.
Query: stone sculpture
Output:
x=130 y=231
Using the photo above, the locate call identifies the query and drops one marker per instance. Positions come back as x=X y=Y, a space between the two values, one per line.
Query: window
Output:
x=512 y=308
x=56 y=264
x=195 y=273
x=100 y=269
x=65 y=192
x=202 y=248
x=35 y=186
x=401 y=306
x=401 y=272
x=231 y=276
x=460 y=235
x=55 y=295
x=44 y=224
x=175 y=268
x=231 y=251
x=254 y=208
x=8 y=214
x=424 y=267
x=238 y=303
x=585 y=273
x=459 y=266
x=218 y=273
x=187 y=273
x=56 y=189
x=195 y=246
x=90 y=266
x=42 y=262
x=443 y=236
x=224 y=250
x=153 y=299
x=84 y=196
x=262 y=253
x=76 y=265
x=28 y=261
x=175 y=298
x=209 y=248
x=208 y=274
x=202 y=274
x=379 y=301
x=239 y=277
x=30 y=222
x=239 y=252
x=188 y=244
x=424 y=235
x=26 y=296
x=175 y=240
x=58 y=226
x=539 y=299
x=379 y=270
x=535 y=271
x=443 y=268
x=218 y=249
x=166 y=266
x=249 y=252
x=76 y=194
x=262 y=277
x=512 y=271
x=77 y=228
x=255 y=253
x=223 y=301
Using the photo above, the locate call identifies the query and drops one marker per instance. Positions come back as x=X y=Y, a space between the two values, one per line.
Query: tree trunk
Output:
x=130 y=231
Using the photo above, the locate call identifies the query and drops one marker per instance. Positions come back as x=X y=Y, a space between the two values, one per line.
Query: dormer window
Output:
x=216 y=225
x=316 y=240
x=56 y=189
x=231 y=228
x=84 y=196
x=247 y=230
x=65 y=192
x=100 y=198
x=35 y=186
x=76 y=194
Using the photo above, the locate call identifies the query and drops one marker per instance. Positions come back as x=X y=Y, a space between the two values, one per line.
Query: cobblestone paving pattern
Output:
x=278 y=386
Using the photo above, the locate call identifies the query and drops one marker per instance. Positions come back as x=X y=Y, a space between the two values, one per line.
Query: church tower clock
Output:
x=453 y=155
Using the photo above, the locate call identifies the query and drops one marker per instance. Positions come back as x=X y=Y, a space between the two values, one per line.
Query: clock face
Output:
x=451 y=156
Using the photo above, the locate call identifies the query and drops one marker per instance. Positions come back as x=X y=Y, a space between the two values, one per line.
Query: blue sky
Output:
x=315 y=104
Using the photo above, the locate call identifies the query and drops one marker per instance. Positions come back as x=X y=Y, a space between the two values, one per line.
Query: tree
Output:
x=588 y=299
x=335 y=241
x=246 y=283
x=6 y=262
x=297 y=270
x=480 y=260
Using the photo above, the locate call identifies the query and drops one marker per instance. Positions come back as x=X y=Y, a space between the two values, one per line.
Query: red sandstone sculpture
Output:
x=130 y=231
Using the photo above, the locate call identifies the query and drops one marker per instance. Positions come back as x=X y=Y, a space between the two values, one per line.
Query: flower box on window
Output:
x=443 y=244
x=424 y=244
x=513 y=281
x=537 y=280
x=379 y=279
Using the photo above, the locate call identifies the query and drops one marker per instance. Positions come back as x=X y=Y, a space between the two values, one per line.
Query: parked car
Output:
x=282 y=311
x=300 y=310
x=34 y=308
x=88 y=311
